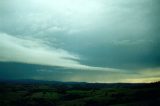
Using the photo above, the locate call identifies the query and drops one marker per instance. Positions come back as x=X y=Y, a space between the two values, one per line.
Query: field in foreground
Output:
x=44 y=93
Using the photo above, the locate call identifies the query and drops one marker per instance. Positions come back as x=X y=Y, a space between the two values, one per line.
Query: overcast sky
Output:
x=80 y=40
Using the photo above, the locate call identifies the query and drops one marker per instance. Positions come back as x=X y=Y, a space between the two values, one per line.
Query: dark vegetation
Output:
x=45 y=93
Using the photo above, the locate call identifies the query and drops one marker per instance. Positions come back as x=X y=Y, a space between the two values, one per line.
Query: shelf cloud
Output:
x=88 y=40
x=15 y=49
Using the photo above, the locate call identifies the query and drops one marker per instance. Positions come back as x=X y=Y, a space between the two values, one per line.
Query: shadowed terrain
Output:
x=54 y=93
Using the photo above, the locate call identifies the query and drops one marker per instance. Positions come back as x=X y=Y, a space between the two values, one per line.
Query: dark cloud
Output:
x=100 y=35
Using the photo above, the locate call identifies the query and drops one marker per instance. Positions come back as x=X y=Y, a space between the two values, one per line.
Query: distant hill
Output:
x=81 y=85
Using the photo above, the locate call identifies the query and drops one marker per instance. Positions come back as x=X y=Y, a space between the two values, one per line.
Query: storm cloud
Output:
x=101 y=36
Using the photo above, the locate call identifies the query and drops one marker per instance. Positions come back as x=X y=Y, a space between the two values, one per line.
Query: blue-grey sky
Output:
x=80 y=40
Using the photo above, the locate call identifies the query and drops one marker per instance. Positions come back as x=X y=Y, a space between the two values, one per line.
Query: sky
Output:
x=80 y=40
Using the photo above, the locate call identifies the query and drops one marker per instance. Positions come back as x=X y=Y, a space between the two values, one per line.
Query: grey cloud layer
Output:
x=15 y=49
x=81 y=34
x=25 y=71
x=120 y=33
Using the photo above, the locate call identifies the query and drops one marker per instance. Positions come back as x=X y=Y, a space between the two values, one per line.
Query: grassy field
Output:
x=78 y=94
